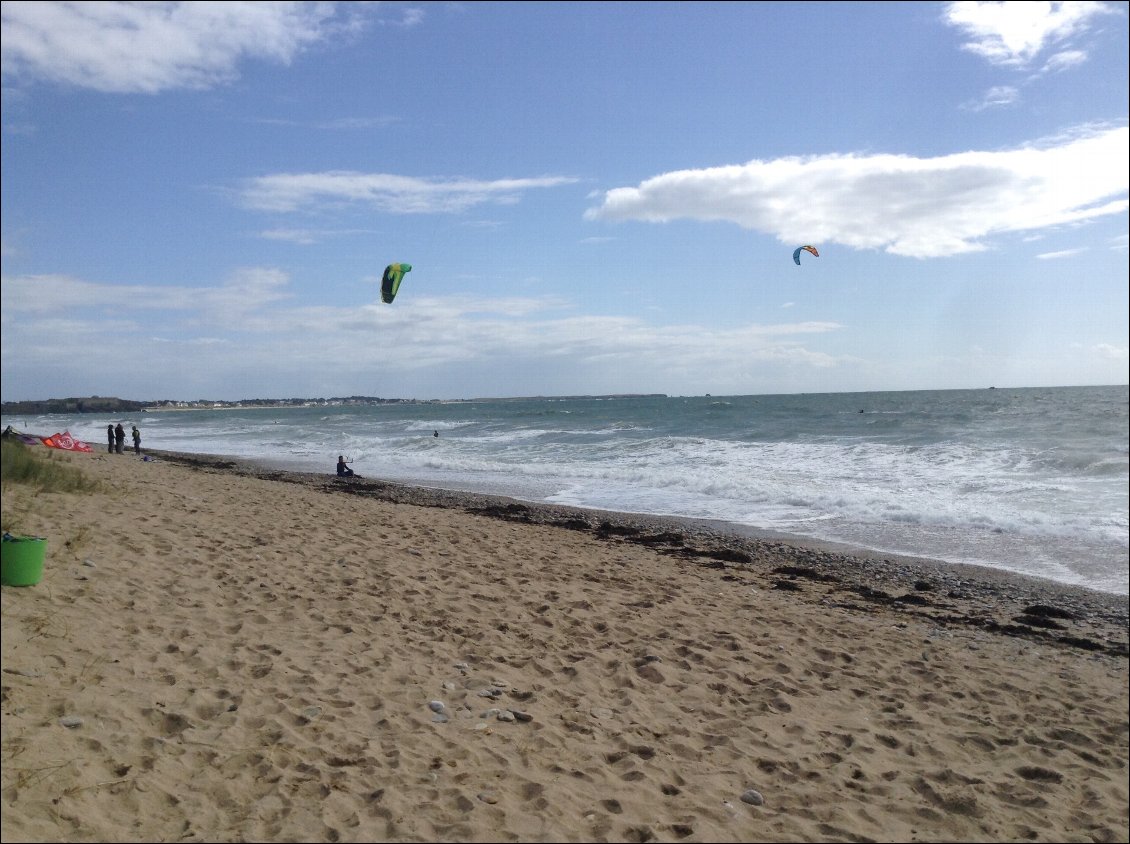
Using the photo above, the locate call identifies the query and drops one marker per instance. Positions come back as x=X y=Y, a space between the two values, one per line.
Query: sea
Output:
x=1031 y=481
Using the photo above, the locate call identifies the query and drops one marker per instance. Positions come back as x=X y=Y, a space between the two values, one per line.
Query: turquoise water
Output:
x=1032 y=481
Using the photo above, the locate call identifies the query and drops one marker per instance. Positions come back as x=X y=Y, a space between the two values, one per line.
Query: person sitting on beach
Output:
x=343 y=470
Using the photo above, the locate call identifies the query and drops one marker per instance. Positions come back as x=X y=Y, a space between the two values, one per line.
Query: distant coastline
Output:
x=101 y=404
x=90 y=404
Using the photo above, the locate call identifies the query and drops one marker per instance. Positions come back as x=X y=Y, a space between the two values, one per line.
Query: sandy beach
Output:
x=224 y=652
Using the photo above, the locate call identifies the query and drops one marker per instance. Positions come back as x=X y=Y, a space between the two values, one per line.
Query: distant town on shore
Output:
x=104 y=404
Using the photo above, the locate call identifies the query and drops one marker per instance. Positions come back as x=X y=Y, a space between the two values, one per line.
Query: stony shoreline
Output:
x=951 y=596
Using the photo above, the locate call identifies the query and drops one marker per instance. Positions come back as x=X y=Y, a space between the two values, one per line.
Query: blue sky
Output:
x=199 y=199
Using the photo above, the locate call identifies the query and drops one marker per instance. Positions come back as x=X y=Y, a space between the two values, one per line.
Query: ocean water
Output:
x=1032 y=481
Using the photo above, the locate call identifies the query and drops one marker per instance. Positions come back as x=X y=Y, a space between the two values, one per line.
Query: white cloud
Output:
x=307 y=237
x=996 y=97
x=1063 y=253
x=1015 y=33
x=919 y=207
x=1065 y=60
x=247 y=290
x=410 y=16
x=385 y=191
x=34 y=294
x=122 y=47
x=1109 y=352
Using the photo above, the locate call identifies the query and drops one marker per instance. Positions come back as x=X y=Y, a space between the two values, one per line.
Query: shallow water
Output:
x=1032 y=481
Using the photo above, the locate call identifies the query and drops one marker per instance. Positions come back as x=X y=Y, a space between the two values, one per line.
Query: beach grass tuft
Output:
x=19 y=464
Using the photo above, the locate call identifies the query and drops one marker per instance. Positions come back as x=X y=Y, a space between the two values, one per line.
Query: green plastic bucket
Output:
x=21 y=560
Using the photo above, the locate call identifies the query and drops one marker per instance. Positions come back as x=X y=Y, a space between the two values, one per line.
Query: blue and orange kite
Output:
x=799 y=249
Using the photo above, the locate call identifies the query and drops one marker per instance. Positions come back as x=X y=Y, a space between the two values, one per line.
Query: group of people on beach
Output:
x=116 y=439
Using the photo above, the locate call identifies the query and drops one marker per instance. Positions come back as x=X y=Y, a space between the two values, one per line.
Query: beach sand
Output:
x=224 y=652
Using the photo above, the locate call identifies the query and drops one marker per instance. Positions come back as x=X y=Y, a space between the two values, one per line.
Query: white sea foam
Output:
x=1032 y=481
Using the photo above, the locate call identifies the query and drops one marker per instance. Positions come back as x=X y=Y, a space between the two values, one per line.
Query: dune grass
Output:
x=40 y=470
x=44 y=471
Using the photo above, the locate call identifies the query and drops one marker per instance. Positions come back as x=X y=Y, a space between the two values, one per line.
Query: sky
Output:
x=199 y=199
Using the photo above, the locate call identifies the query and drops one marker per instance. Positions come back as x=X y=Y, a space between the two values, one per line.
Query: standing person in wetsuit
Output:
x=109 y=439
x=119 y=438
